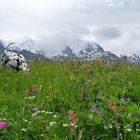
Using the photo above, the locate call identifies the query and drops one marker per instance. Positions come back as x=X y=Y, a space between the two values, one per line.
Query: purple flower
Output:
x=35 y=109
x=93 y=107
x=3 y=123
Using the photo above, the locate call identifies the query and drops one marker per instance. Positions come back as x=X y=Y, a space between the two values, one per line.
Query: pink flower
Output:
x=3 y=123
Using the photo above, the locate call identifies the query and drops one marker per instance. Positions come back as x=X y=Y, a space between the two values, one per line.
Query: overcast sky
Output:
x=53 y=24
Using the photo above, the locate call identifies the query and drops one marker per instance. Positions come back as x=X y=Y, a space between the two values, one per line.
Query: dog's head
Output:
x=24 y=67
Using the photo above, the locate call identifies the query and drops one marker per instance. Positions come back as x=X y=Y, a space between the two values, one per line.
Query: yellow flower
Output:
x=47 y=97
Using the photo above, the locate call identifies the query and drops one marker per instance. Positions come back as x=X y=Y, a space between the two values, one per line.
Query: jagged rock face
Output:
x=93 y=51
x=135 y=58
x=94 y=48
x=90 y=51
x=69 y=53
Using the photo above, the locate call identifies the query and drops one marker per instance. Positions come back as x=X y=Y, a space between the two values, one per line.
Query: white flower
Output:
x=72 y=124
x=65 y=125
x=34 y=114
x=42 y=111
x=129 y=129
x=137 y=129
x=76 y=126
x=3 y=119
x=90 y=116
x=128 y=125
x=52 y=123
x=130 y=83
x=42 y=135
x=110 y=126
x=23 y=129
x=33 y=97
x=37 y=112
x=105 y=127
x=49 y=112
x=119 y=126
x=30 y=98
x=54 y=116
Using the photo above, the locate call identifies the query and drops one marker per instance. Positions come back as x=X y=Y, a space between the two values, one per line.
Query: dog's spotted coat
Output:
x=13 y=60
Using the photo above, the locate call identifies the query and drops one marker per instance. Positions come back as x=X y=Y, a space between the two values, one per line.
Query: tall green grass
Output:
x=103 y=96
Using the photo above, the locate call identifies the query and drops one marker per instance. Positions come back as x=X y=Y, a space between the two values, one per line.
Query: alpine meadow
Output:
x=95 y=100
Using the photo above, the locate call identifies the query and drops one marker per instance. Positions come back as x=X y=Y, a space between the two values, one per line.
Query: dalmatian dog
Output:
x=13 y=60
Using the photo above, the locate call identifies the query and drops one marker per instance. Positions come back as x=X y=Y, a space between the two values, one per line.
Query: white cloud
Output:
x=108 y=33
x=56 y=23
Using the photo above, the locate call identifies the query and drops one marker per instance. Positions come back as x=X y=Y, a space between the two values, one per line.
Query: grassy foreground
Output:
x=71 y=101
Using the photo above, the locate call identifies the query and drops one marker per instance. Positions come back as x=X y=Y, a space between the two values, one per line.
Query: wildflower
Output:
x=129 y=129
x=35 y=109
x=121 y=136
x=40 y=87
x=128 y=125
x=23 y=129
x=65 y=125
x=47 y=97
x=86 y=68
x=93 y=107
x=27 y=93
x=43 y=111
x=107 y=66
x=73 y=120
x=114 y=109
x=90 y=116
x=42 y=135
x=82 y=97
x=52 y=123
x=54 y=116
x=49 y=112
x=35 y=89
x=73 y=125
x=37 y=112
x=110 y=104
x=130 y=83
x=34 y=115
x=32 y=97
x=3 y=123
x=110 y=126
x=100 y=113
x=105 y=127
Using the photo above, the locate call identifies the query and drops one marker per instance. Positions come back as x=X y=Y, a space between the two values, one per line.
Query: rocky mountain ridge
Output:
x=90 y=51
